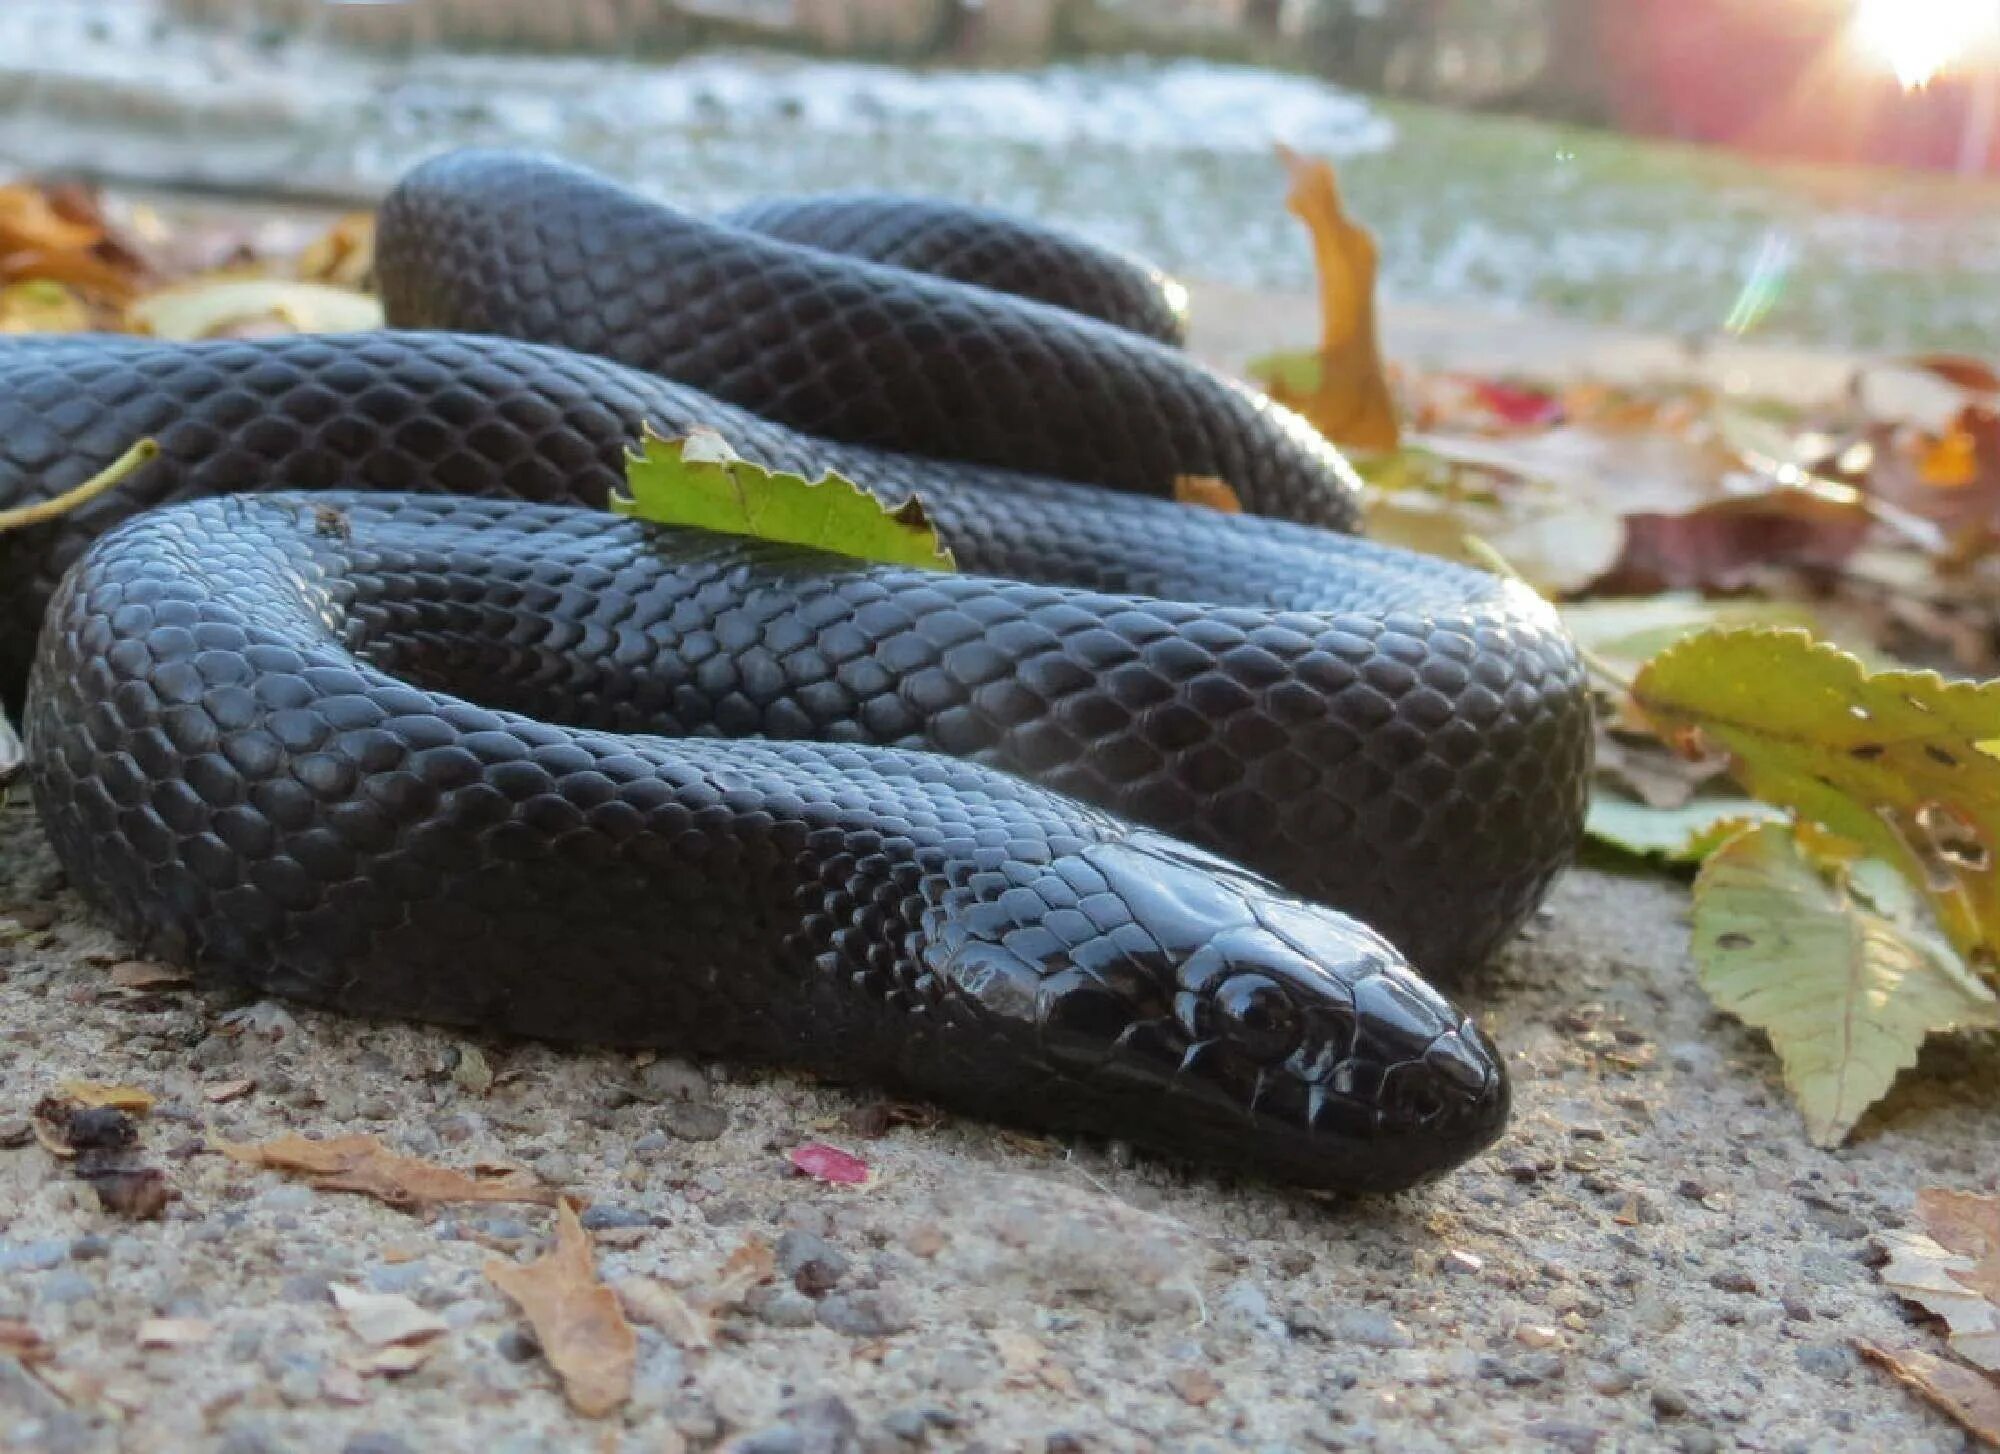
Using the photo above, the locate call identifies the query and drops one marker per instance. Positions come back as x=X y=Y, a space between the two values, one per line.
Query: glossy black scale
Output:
x=501 y=761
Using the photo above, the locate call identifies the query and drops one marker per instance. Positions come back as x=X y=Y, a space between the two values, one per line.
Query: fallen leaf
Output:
x=1208 y=492
x=576 y=1318
x=96 y=1094
x=364 y=1165
x=1688 y=833
x=698 y=480
x=228 y=306
x=1836 y=960
x=1968 y=1397
x=1968 y=1224
x=174 y=1332
x=652 y=1302
x=1343 y=389
x=1904 y=763
x=224 y=1091
x=383 y=1317
x=343 y=255
x=393 y=1360
x=1923 y=1271
x=42 y=306
x=18 y=1340
x=143 y=974
x=750 y=1265
x=829 y=1163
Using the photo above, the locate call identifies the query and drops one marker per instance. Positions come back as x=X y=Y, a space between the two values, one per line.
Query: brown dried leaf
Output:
x=655 y=1303
x=1967 y=1225
x=1209 y=492
x=1967 y=1396
x=576 y=1318
x=1922 y=1271
x=95 y=1094
x=143 y=974
x=364 y=1165
x=1344 y=389
x=344 y=254
x=748 y=1266
x=18 y=1340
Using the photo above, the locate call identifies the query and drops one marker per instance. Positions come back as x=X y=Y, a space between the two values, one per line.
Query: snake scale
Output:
x=357 y=695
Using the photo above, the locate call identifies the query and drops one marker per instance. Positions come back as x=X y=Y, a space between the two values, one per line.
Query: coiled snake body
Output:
x=412 y=732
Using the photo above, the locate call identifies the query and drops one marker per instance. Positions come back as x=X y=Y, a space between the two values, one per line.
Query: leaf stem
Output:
x=114 y=475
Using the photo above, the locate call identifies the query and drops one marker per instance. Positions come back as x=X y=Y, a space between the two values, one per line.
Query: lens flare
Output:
x=1919 y=38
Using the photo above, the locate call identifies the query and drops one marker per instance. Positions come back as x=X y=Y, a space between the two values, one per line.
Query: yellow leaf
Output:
x=1836 y=961
x=1889 y=759
x=576 y=1318
x=1346 y=395
x=1208 y=492
x=42 y=306
x=699 y=481
x=226 y=305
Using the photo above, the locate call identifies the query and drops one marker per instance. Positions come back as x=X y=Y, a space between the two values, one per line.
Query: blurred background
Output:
x=1824 y=171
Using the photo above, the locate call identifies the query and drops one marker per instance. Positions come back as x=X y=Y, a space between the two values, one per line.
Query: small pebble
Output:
x=784 y=1307
x=694 y=1120
x=1669 y=1403
x=876 y=1313
x=1371 y=1328
x=38 y=1256
x=603 y=1217
x=1734 y=1280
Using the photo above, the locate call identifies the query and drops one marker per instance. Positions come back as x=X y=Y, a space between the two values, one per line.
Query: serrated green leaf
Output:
x=1684 y=834
x=699 y=481
x=1837 y=962
x=1627 y=631
x=1902 y=762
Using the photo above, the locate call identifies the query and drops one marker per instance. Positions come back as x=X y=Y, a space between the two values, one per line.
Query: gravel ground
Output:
x=1652 y=1258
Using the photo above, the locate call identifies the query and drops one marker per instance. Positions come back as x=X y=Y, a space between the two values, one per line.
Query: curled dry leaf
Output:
x=378 y=1318
x=143 y=974
x=364 y=1165
x=1967 y=1396
x=576 y=1318
x=654 y=1303
x=175 y=1332
x=1343 y=389
x=230 y=306
x=750 y=1265
x=1951 y=1269
x=829 y=1163
x=96 y=1094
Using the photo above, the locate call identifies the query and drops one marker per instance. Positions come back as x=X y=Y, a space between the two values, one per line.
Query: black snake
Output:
x=417 y=730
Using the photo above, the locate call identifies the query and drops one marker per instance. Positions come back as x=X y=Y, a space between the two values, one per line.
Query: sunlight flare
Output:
x=1917 y=39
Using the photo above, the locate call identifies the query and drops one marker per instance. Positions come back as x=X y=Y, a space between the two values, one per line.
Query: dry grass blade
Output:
x=120 y=470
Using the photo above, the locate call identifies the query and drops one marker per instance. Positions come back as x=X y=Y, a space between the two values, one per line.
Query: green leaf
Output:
x=1902 y=762
x=1628 y=631
x=1684 y=834
x=699 y=481
x=1837 y=961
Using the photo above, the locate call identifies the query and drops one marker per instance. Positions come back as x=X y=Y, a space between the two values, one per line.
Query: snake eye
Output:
x=1257 y=1017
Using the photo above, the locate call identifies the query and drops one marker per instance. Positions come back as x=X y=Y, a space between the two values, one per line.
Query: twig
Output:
x=113 y=476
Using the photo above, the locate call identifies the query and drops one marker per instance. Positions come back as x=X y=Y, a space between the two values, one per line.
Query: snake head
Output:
x=1206 y=1013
